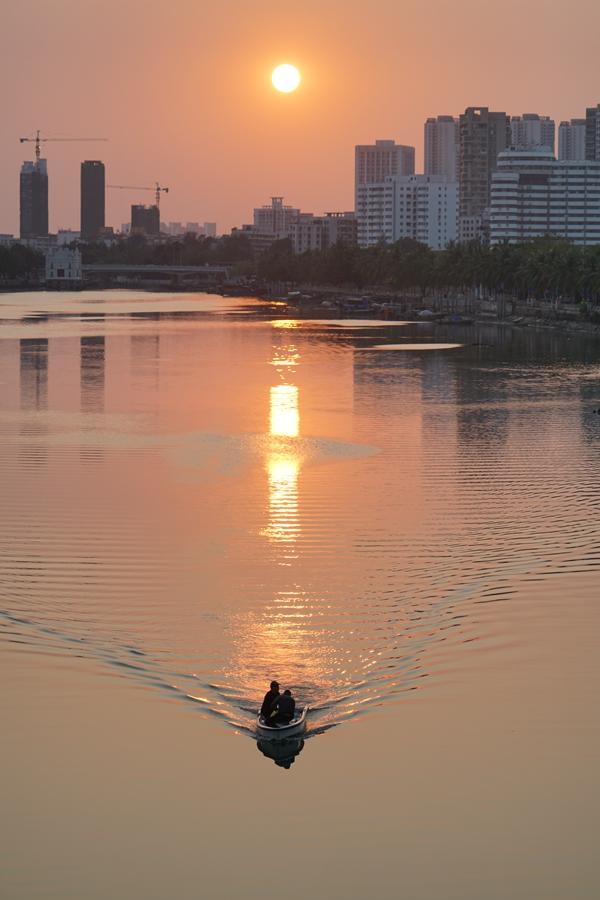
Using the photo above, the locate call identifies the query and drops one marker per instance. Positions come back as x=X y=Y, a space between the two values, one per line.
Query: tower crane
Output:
x=37 y=140
x=157 y=189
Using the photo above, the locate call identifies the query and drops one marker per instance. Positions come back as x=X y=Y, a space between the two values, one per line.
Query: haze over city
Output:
x=183 y=92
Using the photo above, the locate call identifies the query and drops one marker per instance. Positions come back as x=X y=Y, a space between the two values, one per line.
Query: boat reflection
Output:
x=283 y=753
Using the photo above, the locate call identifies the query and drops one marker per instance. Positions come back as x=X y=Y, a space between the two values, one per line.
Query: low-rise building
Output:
x=310 y=232
x=63 y=267
x=338 y=228
x=67 y=236
x=533 y=195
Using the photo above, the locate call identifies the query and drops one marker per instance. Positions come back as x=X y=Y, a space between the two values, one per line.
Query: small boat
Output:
x=282 y=732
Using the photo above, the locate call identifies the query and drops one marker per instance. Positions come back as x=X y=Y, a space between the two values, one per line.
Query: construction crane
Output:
x=157 y=189
x=37 y=140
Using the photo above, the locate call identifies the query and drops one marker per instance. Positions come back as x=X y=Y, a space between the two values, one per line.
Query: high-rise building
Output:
x=533 y=194
x=92 y=199
x=531 y=130
x=482 y=136
x=145 y=220
x=592 y=132
x=274 y=219
x=441 y=147
x=421 y=207
x=210 y=229
x=374 y=162
x=34 y=199
x=571 y=139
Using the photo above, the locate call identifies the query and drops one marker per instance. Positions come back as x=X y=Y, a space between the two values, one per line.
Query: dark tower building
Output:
x=34 y=199
x=482 y=136
x=592 y=132
x=92 y=199
x=145 y=220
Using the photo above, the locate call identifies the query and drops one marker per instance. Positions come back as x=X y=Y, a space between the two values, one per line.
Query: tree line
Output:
x=18 y=261
x=545 y=268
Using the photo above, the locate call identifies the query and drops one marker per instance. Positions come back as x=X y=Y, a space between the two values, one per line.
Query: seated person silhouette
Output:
x=283 y=709
x=270 y=697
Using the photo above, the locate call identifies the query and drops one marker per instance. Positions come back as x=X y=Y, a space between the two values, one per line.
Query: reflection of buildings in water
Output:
x=34 y=373
x=589 y=405
x=33 y=378
x=482 y=414
x=92 y=358
x=145 y=358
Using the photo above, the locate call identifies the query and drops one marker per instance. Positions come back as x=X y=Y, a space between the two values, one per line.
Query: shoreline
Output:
x=336 y=303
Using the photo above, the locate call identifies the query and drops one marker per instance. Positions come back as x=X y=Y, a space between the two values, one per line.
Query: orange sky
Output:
x=182 y=90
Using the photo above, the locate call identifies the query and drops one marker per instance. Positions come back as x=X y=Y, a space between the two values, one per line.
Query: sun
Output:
x=285 y=78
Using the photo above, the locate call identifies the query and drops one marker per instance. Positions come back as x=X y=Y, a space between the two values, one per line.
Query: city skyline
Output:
x=205 y=119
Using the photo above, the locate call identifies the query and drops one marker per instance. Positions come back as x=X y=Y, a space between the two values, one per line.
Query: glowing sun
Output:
x=285 y=78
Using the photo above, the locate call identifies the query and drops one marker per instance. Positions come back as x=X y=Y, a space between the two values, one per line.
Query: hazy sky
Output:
x=182 y=90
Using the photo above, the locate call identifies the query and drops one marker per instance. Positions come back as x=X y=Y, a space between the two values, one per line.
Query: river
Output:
x=399 y=521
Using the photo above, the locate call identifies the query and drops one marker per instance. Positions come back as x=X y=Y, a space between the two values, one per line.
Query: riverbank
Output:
x=452 y=309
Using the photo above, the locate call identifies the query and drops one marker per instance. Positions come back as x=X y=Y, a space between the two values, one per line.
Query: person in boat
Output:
x=283 y=709
x=271 y=698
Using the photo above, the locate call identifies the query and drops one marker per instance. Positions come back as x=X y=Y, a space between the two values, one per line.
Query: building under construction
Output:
x=145 y=220
x=34 y=199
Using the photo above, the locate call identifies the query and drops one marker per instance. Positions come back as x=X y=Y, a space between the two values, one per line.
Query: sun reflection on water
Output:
x=283 y=461
x=284 y=415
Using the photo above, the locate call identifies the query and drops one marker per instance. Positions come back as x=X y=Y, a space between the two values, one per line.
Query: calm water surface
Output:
x=398 y=521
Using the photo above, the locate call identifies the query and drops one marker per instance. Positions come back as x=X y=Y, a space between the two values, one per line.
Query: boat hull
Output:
x=281 y=732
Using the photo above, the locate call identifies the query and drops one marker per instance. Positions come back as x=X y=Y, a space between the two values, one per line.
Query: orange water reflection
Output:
x=283 y=460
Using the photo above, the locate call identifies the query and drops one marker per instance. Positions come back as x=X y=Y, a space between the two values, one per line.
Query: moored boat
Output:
x=282 y=732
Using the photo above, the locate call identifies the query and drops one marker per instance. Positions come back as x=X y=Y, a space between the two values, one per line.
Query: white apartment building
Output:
x=375 y=213
x=441 y=147
x=571 y=139
x=534 y=194
x=530 y=130
x=421 y=207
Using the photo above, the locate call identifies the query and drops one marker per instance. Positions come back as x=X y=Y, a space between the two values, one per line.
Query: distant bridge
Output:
x=174 y=274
